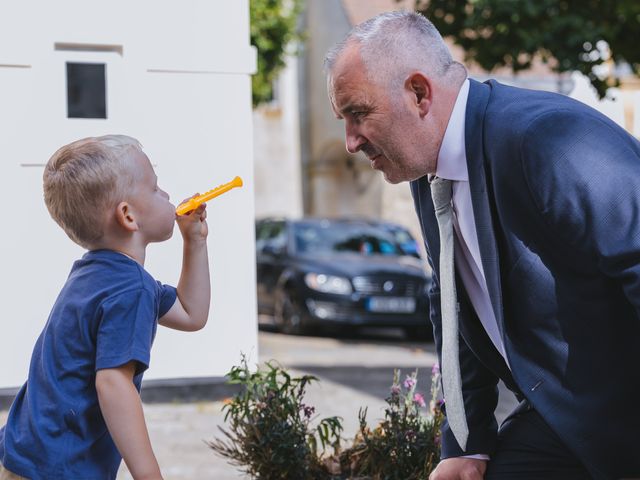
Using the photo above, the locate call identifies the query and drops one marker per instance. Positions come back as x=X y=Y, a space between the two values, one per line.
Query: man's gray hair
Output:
x=393 y=43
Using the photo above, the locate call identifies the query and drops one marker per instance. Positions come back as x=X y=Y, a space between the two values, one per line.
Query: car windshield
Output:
x=332 y=237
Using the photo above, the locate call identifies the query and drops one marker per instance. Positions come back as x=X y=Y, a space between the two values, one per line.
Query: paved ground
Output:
x=354 y=371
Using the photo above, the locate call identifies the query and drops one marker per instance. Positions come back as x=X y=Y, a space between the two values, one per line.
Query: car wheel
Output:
x=288 y=316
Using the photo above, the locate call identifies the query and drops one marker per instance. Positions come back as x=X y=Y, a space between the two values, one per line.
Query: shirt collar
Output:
x=452 y=159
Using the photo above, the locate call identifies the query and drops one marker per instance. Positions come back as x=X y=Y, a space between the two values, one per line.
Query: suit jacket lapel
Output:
x=473 y=332
x=474 y=127
x=421 y=193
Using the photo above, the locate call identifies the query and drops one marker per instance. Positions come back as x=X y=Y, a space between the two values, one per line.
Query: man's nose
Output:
x=354 y=140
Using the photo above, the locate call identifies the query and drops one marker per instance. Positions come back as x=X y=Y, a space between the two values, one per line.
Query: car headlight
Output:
x=328 y=283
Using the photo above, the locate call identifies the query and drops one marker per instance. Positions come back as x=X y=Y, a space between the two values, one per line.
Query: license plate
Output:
x=391 y=304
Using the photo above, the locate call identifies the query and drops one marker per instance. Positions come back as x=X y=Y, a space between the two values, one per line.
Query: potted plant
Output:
x=273 y=434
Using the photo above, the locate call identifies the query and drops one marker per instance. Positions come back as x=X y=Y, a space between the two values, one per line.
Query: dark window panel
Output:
x=86 y=90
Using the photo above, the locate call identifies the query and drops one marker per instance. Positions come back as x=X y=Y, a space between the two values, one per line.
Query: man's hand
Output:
x=459 y=468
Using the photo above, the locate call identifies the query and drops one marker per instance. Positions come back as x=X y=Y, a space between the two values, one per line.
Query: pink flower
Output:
x=395 y=389
x=435 y=370
x=419 y=399
x=308 y=410
x=409 y=383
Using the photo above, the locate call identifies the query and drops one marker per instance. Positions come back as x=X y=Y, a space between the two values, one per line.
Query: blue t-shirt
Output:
x=105 y=316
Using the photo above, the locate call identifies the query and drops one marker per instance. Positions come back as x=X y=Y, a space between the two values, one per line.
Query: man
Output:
x=545 y=215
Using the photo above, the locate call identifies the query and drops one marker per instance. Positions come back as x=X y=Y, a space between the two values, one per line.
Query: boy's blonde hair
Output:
x=84 y=180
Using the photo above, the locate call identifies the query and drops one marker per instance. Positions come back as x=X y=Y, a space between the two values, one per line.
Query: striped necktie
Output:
x=441 y=193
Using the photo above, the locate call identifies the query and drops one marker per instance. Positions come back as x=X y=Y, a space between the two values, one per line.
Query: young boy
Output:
x=79 y=412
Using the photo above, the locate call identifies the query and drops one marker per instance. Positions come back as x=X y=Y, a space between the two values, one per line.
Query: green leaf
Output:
x=513 y=32
x=272 y=29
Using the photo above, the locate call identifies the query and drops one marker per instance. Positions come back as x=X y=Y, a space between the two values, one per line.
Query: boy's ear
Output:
x=125 y=217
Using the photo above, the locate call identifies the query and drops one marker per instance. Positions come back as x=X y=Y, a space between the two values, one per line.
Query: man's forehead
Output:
x=347 y=63
x=347 y=80
x=347 y=94
x=346 y=84
x=343 y=97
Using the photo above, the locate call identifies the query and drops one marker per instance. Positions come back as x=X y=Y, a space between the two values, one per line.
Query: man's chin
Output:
x=392 y=179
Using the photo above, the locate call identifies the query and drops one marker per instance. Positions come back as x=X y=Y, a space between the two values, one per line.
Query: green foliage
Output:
x=269 y=434
x=273 y=28
x=569 y=34
x=406 y=444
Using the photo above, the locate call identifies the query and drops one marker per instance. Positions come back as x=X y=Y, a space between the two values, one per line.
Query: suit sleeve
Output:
x=583 y=172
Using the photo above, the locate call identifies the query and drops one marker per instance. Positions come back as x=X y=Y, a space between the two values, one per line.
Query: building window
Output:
x=86 y=90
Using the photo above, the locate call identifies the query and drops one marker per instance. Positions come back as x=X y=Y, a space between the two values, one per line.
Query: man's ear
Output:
x=419 y=87
x=125 y=217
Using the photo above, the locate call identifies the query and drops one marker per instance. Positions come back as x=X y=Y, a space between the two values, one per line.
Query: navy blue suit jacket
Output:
x=555 y=189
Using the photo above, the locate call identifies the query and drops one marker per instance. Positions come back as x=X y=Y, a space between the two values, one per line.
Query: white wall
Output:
x=182 y=87
x=276 y=140
x=611 y=106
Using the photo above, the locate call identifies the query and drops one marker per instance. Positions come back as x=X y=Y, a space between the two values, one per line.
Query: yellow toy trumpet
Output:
x=195 y=202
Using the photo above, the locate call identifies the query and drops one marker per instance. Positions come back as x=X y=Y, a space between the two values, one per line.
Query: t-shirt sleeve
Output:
x=126 y=330
x=168 y=295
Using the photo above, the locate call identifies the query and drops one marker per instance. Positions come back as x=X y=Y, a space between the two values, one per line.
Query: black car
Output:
x=339 y=273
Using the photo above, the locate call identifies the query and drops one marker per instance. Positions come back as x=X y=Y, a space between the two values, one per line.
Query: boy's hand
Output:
x=193 y=225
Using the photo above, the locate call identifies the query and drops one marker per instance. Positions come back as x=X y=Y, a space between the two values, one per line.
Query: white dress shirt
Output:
x=452 y=165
